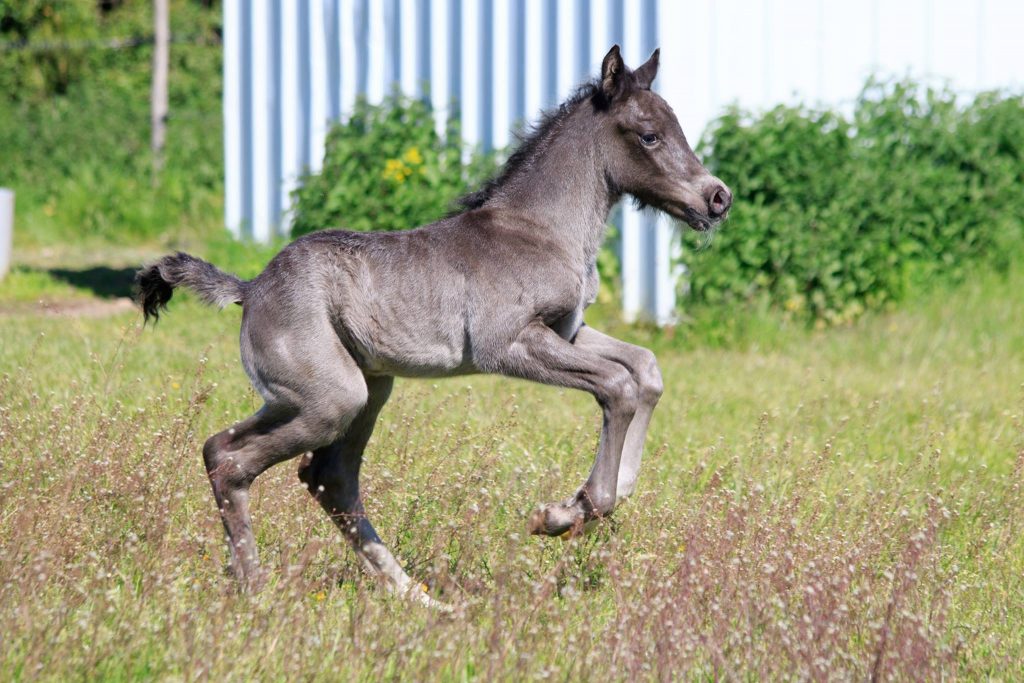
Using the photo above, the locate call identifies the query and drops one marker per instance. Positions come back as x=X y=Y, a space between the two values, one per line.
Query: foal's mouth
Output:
x=697 y=220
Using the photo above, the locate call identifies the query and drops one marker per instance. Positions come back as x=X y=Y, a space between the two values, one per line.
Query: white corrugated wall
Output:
x=292 y=66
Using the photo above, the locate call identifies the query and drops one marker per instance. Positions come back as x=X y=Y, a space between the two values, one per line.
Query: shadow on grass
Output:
x=102 y=281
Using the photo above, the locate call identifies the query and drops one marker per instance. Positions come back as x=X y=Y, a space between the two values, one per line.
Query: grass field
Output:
x=838 y=504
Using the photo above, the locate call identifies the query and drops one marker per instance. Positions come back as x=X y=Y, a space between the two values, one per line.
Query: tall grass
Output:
x=846 y=504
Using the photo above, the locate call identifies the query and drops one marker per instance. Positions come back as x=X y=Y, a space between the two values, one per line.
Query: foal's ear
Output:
x=613 y=73
x=645 y=74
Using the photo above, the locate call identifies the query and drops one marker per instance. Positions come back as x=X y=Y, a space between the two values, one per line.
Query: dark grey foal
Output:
x=498 y=288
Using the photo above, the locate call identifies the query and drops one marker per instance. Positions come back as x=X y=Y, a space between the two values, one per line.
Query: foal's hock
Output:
x=499 y=287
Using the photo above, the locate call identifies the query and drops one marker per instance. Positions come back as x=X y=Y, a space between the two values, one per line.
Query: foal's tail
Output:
x=155 y=283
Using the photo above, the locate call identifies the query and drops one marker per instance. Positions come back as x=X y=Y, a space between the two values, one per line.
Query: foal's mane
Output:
x=532 y=142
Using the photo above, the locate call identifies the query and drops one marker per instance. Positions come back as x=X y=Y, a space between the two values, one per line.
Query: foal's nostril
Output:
x=719 y=202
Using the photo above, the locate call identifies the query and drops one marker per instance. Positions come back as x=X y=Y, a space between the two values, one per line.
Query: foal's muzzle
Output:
x=719 y=200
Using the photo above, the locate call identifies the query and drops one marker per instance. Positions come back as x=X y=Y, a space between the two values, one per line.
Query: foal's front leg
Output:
x=539 y=354
x=642 y=364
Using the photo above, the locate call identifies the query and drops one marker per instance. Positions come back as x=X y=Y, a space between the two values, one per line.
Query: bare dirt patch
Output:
x=71 y=308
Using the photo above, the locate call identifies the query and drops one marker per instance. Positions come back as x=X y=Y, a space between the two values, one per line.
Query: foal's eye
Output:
x=649 y=139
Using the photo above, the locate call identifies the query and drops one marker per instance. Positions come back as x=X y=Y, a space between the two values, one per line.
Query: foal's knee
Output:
x=223 y=469
x=621 y=394
x=648 y=379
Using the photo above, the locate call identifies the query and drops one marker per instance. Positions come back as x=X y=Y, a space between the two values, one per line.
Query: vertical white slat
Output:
x=455 y=84
x=517 y=64
x=377 y=57
x=439 y=85
x=665 y=255
x=955 y=42
x=875 y=46
x=470 y=101
x=1003 y=49
x=738 y=45
x=393 y=48
x=318 y=104
x=289 y=102
x=485 y=85
x=6 y=229
x=847 y=57
x=928 y=23
x=683 y=80
x=410 y=49
x=616 y=22
x=582 y=44
x=234 y=132
x=794 y=53
x=566 y=49
x=687 y=67
x=423 y=47
x=264 y=186
x=661 y=238
x=901 y=37
x=600 y=36
x=533 y=74
x=501 y=30
x=549 y=53
x=349 y=67
x=979 y=77
x=635 y=293
x=331 y=20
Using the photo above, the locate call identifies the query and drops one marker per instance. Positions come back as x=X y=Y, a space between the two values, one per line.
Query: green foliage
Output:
x=834 y=214
x=74 y=121
x=386 y=168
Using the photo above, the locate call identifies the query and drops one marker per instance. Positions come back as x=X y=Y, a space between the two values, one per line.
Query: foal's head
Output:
x=645 y=151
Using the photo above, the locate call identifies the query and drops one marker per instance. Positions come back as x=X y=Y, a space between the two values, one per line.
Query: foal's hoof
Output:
x=555 y=520
x=417 y=592
x=254 y=582
x=585 y=530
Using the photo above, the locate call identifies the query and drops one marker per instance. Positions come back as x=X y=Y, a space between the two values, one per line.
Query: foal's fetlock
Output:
x=556 y=519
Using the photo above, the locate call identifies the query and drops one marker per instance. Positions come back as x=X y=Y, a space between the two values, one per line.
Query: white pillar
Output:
x=261 y=107
x=6 y=229
x=234 y=133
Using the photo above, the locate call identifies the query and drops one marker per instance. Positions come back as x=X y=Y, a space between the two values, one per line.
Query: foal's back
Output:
x=418 y=303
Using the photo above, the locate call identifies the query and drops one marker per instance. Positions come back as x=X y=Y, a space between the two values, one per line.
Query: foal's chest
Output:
x=567 y=326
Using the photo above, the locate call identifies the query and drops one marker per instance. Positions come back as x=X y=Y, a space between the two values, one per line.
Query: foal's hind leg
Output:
x=332 y=477
x=314 y=390
x=236 y=456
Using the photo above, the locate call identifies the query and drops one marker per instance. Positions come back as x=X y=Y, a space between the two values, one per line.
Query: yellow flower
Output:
x=320 y=596
x=794 y=303
x=395 y=170
x=413 y=157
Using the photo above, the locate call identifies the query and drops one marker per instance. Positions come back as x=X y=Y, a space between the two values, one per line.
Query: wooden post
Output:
x=158 y=94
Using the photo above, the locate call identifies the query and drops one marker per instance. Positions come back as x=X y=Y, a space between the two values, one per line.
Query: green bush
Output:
x=74 y=121
x=386 y=168
x=836 y=214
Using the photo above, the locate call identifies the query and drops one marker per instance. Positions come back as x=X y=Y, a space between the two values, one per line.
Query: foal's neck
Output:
x=564 y=187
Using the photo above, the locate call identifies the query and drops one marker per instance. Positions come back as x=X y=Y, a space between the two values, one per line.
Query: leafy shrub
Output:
x=386 y=168
x=835 y=214
x=74 y=121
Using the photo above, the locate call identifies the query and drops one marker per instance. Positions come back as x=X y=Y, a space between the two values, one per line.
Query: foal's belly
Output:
x=413 y=347
x=428 y=361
